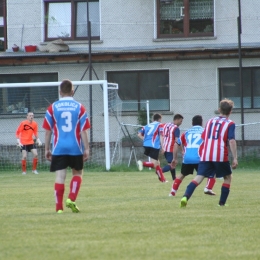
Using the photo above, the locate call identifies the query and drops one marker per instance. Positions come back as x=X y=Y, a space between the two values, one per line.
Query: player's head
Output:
x=177 y=119
x=197 y=120
x=226 y=106
x=30 y=116
x=157 y=117
x=66 y=88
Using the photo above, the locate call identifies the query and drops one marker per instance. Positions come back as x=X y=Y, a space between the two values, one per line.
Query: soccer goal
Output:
x=98 y=96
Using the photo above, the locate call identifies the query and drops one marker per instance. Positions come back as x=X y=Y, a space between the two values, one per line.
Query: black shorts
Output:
x=60 y=162
x=28 y=147
x=187 y=169
x=209 y=169
x=152 y=152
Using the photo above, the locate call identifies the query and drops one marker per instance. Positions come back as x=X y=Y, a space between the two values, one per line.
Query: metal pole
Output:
x=241 y=75
x=90 y=72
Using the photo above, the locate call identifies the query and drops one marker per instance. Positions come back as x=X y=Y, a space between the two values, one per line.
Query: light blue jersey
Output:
x=191 y=141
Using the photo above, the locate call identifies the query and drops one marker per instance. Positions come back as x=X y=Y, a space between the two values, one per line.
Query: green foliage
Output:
x=127 y=215
x=142 y=117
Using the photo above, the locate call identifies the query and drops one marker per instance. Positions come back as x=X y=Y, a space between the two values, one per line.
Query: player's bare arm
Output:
x=140 y=136
x=48 y=154
x=84 y=137
x=233 y=148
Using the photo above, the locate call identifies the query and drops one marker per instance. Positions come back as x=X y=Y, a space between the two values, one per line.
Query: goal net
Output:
x=103 y=107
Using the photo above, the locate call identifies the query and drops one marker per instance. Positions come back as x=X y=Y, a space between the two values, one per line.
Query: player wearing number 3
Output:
x=67 y=120
x=219 y=132
x=25 y=134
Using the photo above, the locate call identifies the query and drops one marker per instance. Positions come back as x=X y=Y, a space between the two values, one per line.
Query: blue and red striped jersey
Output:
x=66 y=118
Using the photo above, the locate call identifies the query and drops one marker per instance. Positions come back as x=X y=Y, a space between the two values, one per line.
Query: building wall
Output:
x=132 y=24
x=193 y=90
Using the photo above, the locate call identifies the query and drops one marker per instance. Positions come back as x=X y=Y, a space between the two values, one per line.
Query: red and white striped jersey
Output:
x=170 y=133
x=215 y=137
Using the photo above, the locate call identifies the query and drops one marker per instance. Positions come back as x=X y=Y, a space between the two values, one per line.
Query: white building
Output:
x=181 y=55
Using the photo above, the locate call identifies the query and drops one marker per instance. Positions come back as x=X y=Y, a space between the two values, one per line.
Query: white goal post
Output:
x=105 y=87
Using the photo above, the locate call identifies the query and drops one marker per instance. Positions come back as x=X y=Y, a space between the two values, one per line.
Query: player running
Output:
x=151 y=135
x=67 y=120
x=219 y=132
x=25 y=134
x=190 y=142
x=171 y=133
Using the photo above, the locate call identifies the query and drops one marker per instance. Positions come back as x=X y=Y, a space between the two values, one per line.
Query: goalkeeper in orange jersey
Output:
x=25 y=134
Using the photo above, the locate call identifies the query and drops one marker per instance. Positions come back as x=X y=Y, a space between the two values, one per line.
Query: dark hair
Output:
x=177 y=116
x=156 y=117
x=226 y=106
x=66 y=86
x=197 y=120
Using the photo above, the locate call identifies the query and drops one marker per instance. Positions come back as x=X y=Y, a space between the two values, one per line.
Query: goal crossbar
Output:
x=105 y=85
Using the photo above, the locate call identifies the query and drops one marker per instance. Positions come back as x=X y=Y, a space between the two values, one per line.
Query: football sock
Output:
x=24 y=165
x=210 y=183
x=158 y=171
x=190 y=189
x=35 y=161
x=166 y=168
x=176 y=184
x=173 y=173
x=74 y=187
x=58 y=193
x=224 y=193
x=148 y=164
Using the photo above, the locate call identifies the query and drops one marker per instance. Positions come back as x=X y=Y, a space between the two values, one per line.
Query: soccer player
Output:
x=25 y=134
x=190 y=142
x=67 y=120
x=151 y=135
x=219 y=132
x=171 y=133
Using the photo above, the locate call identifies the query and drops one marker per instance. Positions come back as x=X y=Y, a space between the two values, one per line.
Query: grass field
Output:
x=128 y=215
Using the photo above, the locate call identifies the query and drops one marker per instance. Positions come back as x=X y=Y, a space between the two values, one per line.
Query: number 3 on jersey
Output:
x=68 y=125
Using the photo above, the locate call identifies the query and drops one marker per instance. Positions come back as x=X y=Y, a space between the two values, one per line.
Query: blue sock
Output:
x=224 y=195
x=173 y=174
x=166 y=168
x=190 y=189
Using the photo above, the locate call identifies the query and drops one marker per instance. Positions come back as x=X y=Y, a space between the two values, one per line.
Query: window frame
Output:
x=29 y=103
x=252 y=88
x=73 y=24
x=138 y=102
x=3 y=12
x=186 y=23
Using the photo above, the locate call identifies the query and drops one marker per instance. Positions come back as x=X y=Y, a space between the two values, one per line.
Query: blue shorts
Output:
x=168 y=156
x=209 y=169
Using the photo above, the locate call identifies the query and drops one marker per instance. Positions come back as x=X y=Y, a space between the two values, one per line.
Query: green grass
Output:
x=128 y=215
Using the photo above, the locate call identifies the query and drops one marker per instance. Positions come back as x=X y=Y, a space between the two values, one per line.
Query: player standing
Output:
x=151 y=135
x=218 y=133
x=171 y=133
x=67 y=120
x=25 y=134
x=190 y=142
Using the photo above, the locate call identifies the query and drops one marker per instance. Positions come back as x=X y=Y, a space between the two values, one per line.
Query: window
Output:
x=230 y=86
x=136 y=87
x=185 y=18
x=23 y=99
x=2 y=25
x=68 y=19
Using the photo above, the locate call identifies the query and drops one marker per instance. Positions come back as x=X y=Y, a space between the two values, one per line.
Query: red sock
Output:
x=226 y=185
x=210 y=183
x=176 y=184
x=58 y=193
x=158 y=171
x=74 y=187
x=24 y=165
x=148 y=164
x=35 y=161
